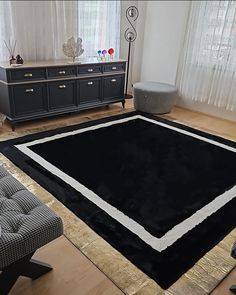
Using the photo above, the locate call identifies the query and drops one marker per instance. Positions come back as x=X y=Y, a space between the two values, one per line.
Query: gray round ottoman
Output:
x=154 y=97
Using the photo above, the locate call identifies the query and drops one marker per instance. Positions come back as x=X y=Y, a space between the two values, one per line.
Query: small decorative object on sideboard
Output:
x=73 y=48
x=111 y=52
x=11 y=49
x=99 y=54
x=12 y=61
x=104 y=52
x=19 y=60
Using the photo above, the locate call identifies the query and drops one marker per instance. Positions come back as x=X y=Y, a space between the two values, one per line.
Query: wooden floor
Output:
x=73 y=273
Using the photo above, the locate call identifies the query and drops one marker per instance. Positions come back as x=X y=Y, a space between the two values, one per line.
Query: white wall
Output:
x=163 y=38
x=138 y=45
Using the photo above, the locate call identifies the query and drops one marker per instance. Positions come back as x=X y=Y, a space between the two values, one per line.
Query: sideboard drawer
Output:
x=89 y=90
x=61 y=72
x=115 y=67
x=113 y=87
x=89 y=69
x=62 y=94
x=27 y=74
x=29 y=99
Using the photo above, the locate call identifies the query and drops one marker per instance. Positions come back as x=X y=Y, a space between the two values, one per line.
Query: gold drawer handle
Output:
x=113 y=80
x=62 y=86
x=114 y=68
x=90 y=83
x=29 y=90
x=62 y=72
x=28 y=75
x=90 y=70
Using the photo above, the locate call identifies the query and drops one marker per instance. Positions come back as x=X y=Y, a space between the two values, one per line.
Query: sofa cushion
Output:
x=26 y=223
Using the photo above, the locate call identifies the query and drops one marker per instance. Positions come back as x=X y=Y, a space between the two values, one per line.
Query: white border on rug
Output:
x=173 y=234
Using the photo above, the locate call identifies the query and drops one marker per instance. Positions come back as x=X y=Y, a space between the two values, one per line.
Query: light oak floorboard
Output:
x=73 y=273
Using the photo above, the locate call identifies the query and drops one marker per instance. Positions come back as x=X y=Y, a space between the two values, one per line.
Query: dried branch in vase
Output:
x=11 y=49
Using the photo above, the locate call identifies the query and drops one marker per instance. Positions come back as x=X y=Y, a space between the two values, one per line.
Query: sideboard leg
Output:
x=123 y=104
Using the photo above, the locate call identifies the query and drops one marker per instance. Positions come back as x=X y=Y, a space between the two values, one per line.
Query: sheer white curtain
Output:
x=40 y=27
x=99 y=23
x=208 y=62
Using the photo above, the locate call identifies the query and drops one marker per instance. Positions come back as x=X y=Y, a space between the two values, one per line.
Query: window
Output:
x=99 y=25
x=207 y=68
x=215 y=31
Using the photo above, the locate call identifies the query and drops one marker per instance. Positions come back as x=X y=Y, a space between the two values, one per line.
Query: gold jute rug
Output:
x=201 y=279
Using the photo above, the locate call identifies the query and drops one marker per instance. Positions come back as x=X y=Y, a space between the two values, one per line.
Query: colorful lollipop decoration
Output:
x=104 y=52
x=111 y=52
x=99 y=54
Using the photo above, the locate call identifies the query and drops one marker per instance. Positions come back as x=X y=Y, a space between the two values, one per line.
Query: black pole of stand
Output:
x=127 y=75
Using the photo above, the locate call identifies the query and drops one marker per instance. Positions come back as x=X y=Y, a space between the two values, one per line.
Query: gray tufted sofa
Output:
x=26 y=224
x=233 y=254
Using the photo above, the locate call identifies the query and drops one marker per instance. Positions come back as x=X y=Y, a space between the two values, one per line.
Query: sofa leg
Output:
x=24 y=267
x=35 y=269
x=233 y=289
x=7 y=281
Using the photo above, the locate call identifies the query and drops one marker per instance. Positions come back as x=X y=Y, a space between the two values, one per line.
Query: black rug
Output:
x=162 y=194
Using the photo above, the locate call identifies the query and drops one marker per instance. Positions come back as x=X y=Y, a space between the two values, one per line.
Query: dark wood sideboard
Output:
x=41 y=89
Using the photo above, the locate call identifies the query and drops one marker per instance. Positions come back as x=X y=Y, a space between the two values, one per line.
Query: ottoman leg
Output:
x=35 y=269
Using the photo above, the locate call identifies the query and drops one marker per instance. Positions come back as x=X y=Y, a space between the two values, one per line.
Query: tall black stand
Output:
x=130 y=36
